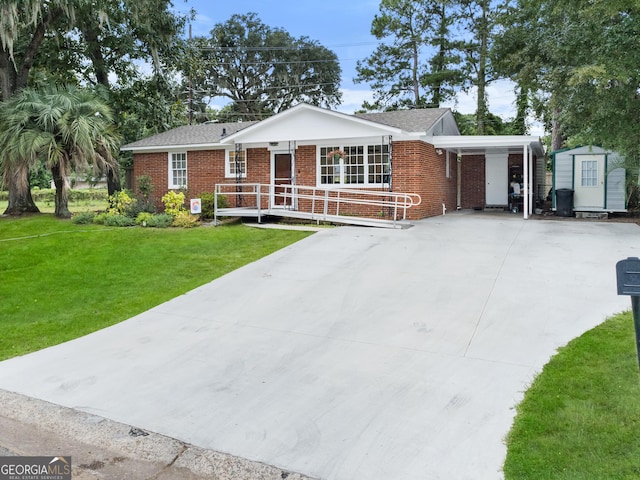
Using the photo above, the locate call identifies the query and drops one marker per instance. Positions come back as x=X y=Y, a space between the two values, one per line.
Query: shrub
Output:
x=120 y=203
x=117 y=220
x=100 y=218
x=143 y=218
x=162 y=220
x=173 y=203
x=144 y=201
x=141 y=206
x=207 y=204
x=145 y=186
x=83 y=218
x=185 y=220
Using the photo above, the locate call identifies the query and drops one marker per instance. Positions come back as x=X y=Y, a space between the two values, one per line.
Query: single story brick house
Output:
x=412 y=151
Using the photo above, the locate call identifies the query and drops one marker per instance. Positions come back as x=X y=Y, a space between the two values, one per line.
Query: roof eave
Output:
x=173 y=148
x=467 y=142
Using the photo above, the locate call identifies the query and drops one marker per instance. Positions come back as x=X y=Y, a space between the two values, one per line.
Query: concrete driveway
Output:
x=357 y=353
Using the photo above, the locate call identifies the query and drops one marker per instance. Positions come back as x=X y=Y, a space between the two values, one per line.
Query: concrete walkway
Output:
x=355 y=354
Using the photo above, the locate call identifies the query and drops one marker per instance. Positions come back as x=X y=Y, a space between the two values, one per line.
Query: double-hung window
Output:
x=178 y=170
x=589 y=173
x=354 y=165
x=236 y=164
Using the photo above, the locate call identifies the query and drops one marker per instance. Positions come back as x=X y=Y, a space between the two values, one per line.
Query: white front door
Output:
x=497 y=178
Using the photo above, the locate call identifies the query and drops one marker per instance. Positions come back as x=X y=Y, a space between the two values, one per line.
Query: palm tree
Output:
x=67 y=128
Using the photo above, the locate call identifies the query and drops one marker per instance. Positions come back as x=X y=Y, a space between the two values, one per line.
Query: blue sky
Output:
x=344 y=27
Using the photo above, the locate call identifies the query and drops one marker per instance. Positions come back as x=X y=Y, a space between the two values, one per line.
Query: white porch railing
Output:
x=361 y=207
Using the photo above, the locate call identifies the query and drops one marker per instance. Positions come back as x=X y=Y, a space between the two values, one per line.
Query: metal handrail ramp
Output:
x=319 y=204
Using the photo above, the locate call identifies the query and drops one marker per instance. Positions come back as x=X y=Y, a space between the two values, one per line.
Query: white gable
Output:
x=305 y=123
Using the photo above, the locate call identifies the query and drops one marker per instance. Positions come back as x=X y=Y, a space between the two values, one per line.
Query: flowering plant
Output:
x=336 y=153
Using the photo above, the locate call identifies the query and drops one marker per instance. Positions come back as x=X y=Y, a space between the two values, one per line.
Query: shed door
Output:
x=497 y=178
x=588 y=181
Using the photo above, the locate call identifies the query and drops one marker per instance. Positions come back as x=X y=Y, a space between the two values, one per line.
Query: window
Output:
x=357 y=165
x=589 y=173
x=236 y=163
x=354 y=165
x=379 y=164
x=329 y=166
x=178 y=170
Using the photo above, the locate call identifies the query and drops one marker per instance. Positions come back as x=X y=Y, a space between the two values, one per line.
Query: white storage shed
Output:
x=595 y=175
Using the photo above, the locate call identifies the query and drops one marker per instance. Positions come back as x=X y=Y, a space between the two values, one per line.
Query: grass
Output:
x=61 y=280
x=580 y=419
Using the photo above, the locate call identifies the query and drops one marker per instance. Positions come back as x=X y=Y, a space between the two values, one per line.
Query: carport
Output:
x=497 y=151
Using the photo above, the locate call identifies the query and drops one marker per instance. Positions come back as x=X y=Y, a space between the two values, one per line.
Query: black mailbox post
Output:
x=628 y=273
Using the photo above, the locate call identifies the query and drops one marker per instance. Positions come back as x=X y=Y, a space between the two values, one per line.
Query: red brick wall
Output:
x=417 y=168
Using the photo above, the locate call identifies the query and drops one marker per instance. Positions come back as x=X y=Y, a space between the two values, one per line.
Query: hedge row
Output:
x=48 y=195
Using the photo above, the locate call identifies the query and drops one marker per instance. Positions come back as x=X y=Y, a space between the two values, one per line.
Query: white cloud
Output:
x=352 y=99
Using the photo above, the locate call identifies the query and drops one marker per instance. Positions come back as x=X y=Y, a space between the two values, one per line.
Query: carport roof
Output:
x=481 y=144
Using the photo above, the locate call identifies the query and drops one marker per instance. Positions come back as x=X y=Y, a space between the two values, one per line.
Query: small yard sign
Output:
x=196 y=206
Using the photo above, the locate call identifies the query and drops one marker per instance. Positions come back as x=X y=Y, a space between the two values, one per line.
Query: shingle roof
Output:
x=419 y=120
x=204 y=134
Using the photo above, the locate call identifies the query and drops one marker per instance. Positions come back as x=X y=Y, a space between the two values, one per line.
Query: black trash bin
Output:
x=564 y=202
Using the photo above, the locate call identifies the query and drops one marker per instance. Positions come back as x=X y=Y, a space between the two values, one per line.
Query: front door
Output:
x=282 y=175
x=497 y=178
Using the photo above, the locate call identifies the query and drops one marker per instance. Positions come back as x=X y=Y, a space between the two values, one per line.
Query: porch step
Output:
x=593 y=215
x=495 y=208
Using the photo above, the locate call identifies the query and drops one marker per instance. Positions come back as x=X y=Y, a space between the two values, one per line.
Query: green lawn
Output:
x=60 y=280
x=581 y=417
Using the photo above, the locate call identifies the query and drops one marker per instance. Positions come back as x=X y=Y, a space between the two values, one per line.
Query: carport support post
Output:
x=628 y=276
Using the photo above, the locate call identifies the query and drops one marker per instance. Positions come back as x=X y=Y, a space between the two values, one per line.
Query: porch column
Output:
x=531 y=179
x=525 y=167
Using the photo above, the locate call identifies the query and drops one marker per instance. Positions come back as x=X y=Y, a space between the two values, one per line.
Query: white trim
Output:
x=251 y=133
x=365 y=149
x=227 y=164
x=468 y=144
x=170 y=170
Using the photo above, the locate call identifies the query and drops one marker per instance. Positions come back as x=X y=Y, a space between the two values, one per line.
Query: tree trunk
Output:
x=481 y=113
x=113 y=181
x=557 y=139
x=20 y=199
x=62 y=200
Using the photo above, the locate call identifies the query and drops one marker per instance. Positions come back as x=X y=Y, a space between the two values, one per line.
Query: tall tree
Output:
x=263 y=70
x=478 y=20
x=68 y=129
x=83 y=41
x=416 y=54
x=23 y=26
x=581 y=59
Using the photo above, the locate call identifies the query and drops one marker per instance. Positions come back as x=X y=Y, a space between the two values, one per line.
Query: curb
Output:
x=104 y=449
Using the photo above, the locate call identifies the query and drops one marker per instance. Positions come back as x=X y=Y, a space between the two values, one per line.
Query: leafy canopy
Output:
x=262 y=70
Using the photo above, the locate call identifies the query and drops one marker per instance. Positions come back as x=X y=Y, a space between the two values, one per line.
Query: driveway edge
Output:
x=105 y=449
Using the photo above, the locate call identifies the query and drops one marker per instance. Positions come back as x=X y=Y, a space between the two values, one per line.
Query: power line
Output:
x=283 y=48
